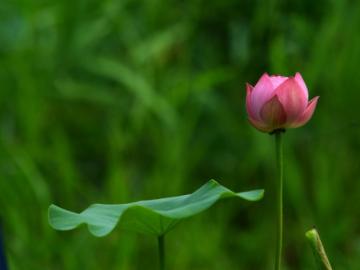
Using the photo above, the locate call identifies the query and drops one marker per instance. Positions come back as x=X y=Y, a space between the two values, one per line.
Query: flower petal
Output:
x=261 y=93
x=292 y=98
x=259 y=125
x=299 y=79
x=306 y=116
x=249 y=110
x=277 y=80
x=273 y=113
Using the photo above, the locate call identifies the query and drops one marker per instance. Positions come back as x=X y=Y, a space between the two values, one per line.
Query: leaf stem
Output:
x=161 y=246
x=279 y=198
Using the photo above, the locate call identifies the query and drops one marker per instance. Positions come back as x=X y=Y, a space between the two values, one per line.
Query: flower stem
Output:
x=161 y=246
x=279 y=198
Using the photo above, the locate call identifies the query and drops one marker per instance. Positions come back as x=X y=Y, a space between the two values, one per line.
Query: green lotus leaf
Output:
x=155 y=217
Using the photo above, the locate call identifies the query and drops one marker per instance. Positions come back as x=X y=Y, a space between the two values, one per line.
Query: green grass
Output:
x=116 y=101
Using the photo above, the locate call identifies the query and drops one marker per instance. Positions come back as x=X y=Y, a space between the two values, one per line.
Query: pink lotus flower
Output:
x=278 y=102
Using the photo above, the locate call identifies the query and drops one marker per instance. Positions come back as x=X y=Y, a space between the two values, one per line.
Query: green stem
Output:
x=318 y=249
x=161 y=246
x=279 y=199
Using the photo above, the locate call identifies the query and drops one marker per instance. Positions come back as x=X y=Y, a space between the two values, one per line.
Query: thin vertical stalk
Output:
x=161 y=246
x=318 y=249
x=279 y=198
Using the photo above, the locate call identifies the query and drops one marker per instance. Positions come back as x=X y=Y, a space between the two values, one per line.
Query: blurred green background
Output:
x=114 y=101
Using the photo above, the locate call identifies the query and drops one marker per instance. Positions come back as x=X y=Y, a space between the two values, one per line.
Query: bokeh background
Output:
x=114 y=101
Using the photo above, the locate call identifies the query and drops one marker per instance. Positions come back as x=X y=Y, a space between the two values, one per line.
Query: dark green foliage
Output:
x=116 y=101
